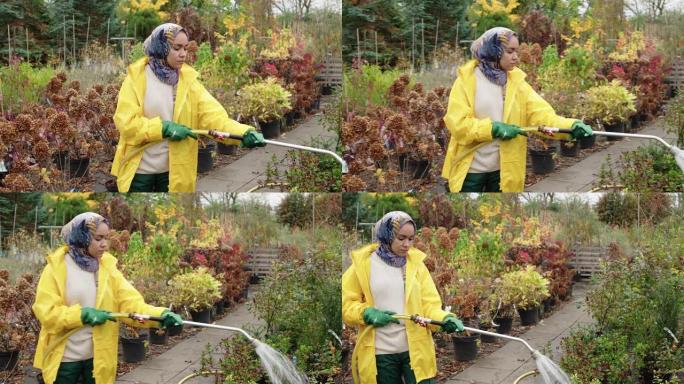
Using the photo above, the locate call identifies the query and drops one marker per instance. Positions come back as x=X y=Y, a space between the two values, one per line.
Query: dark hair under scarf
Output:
x=385 y=231
x=78 y=234
x=157 y=46
x=488 y=50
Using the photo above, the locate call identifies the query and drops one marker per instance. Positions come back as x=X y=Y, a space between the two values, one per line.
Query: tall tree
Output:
x=18 y=211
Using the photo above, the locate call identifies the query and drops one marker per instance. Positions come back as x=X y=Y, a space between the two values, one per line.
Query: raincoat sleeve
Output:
x=134 y=128
x=431 y=302
x=131 y=301
x=50 y=309
x=460 y=118
x=353 y=303
x=212 y=116
x=540 y=113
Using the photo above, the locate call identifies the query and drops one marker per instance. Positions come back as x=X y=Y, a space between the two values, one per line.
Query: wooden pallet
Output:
x=587 y=259
x=676 y=76
x=261 y=261
x=331 y=73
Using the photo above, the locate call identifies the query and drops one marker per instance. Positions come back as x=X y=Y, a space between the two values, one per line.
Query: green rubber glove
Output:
x=170 y=319
x=175 y=132
x=92 y=316
x=452 y=324
x=377 y=318
x=505 y=131
x=579 y=129
x=252 y=139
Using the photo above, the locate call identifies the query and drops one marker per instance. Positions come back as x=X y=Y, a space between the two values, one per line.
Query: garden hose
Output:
x=64 y=337
x=223 y=136
x=198 y=374
x=268 y=185
x=678 y=153
x=526 y=375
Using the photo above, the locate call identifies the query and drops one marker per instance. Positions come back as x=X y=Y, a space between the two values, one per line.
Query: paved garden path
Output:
x=246 y=172
x=512 y=360
x=580 y=176
x=183 y=358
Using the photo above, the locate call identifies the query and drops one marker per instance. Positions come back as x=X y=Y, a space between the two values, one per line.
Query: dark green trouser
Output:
x=395 y=368
x=482 y=182
x=150 y=183
x=76 y=372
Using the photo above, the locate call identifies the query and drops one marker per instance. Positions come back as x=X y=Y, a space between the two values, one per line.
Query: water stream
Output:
x=279 y=368
x=550 y=372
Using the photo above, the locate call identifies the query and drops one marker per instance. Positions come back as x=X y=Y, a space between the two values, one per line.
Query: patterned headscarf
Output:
x=385 y=231
x=157 y=46
x=77 y=234
x=488 y=50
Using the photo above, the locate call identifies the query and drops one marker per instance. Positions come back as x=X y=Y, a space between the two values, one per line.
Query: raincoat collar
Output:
x=361 y=260
x=186 y=77
x=516 y=78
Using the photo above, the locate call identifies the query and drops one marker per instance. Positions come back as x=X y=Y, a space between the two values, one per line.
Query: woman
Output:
x=489 y=102
x=77 y=291
x=160 y=101
x=386 y=278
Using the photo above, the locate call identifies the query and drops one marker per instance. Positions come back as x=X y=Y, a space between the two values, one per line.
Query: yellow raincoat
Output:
x=114 y=294
x=194 y=107
x=421 y=299
x=522 y=107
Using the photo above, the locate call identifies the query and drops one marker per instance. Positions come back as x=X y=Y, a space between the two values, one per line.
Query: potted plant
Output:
x=205 y=155
x=543 y=154
x=197 y=291
x=528 y=289
x=133 y=341
x=466 y=298
x=16 y=318
x=266 y=102
x=609 y=106
x=501 y=307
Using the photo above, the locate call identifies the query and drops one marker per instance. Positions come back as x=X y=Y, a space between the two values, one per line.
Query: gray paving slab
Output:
x=513 y=359
x=183 y=359
x=249 y=170
x=580 y=176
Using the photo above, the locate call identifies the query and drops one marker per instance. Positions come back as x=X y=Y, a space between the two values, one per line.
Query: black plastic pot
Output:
x=505 y=324
x=617 y=127
x=203 y=316
x=61 y=160
x=465 y=347
x=205 y=158
x=587 y=142
x=159 y=338
x=79 y=167
x=543 y=161
x=289 y=118
x=548 y=305
x=111 y=185
x=529 y=316
x=9 y=360
x=487 y=338
x=226 y=149
x=569 y=148
x=418 y=169
x=220 y=307
x=270 y=129
x=317 y=104
x=134 y=350
x=635 y=122
x=327 y=90
x=175 y=330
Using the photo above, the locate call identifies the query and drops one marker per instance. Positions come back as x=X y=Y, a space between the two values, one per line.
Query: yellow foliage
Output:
x=628 y=46
x=279 y=45
x=580 y=26
x=142 y=5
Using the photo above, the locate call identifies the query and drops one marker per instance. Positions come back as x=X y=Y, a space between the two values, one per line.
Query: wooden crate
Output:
x=261 y=261
x=676 y=76
x=587 y=259
x=331 y=73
